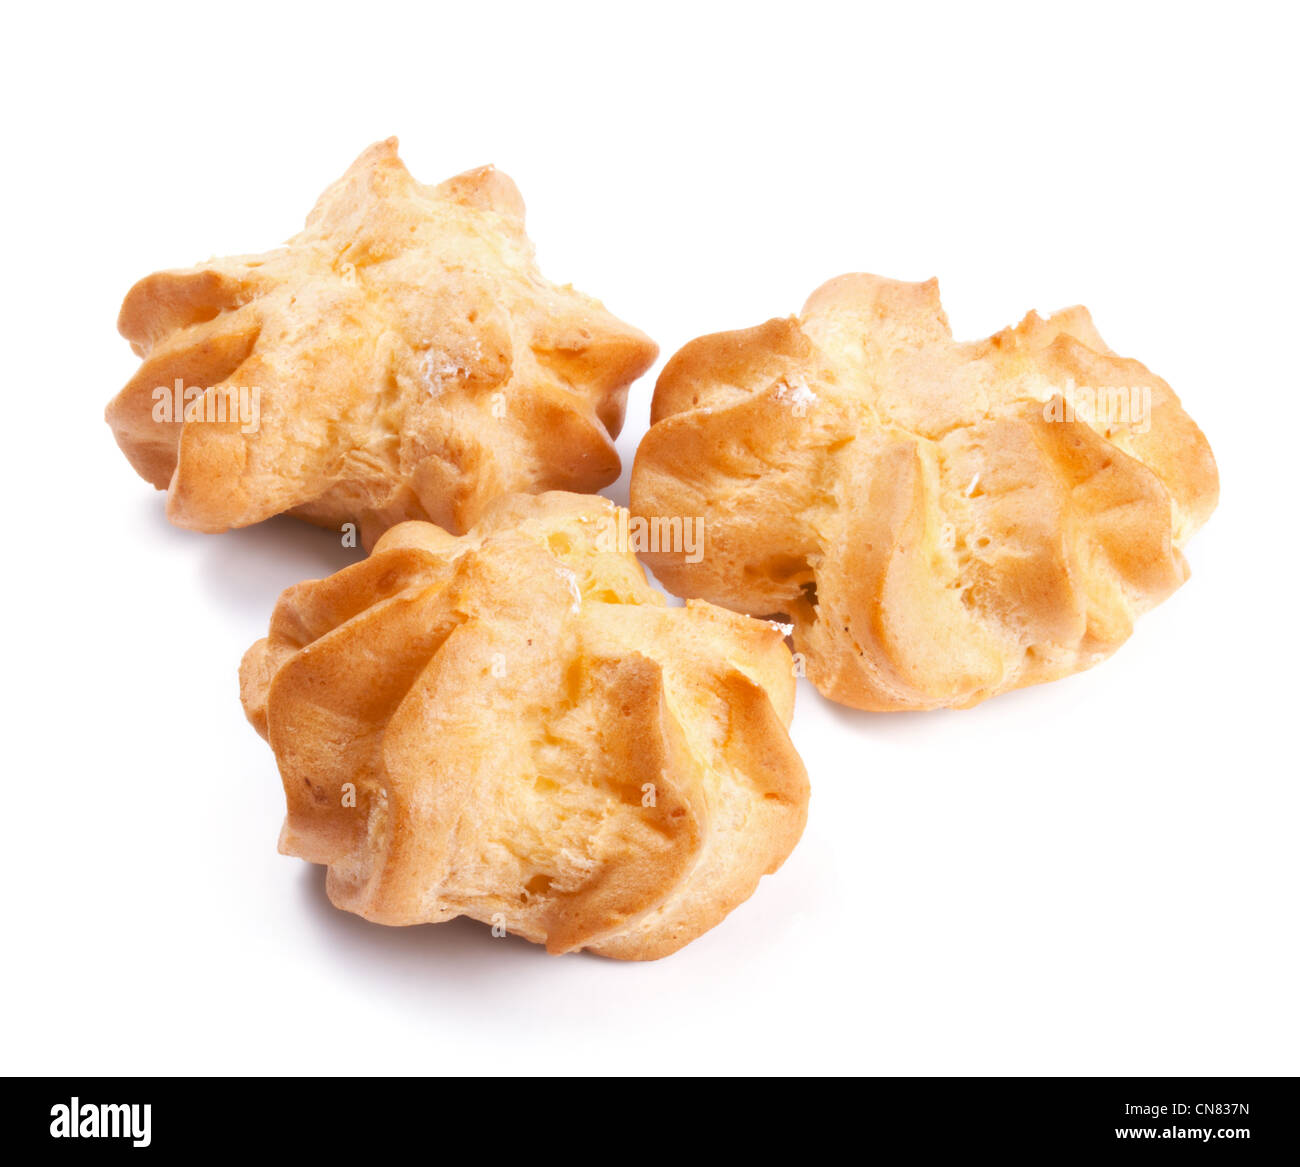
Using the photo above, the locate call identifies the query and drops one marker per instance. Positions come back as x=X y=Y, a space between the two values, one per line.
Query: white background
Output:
x=1093 y=877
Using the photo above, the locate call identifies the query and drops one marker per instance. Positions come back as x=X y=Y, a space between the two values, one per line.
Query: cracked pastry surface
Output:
x=940 y=521
x=408 y=358
x=533 y=737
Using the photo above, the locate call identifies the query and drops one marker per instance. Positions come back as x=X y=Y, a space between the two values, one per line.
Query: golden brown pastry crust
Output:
x=940 y=521
x=534 y=737
x=409 y=359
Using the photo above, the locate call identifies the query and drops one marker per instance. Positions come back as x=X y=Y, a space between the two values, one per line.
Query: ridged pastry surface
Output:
x=940 y=521
x=403 y=355
x=513 y=725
